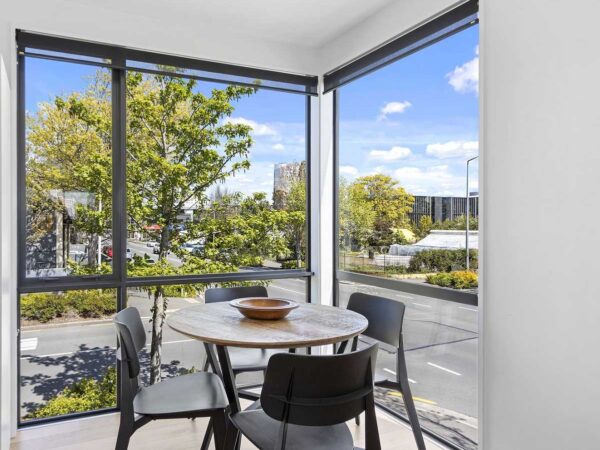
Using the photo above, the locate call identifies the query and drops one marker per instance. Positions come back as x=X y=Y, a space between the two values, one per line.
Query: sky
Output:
x=415 y=120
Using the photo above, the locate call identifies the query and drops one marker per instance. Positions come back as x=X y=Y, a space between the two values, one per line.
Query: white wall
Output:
x=541 y=132
x=188 y=36
x=383 y=26
x=7 y=266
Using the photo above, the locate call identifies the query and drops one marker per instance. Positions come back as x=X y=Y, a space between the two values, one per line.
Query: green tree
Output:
x=356 y=216
x=179 y=145
x=295 y=219
x=389 y=202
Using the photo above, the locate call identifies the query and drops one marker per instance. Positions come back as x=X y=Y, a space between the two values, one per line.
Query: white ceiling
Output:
x=310 y=23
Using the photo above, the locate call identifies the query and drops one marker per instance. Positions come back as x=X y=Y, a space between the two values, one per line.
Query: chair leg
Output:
x=357 y=420
x=372 y=441
x=125 y=432
x=208 y=435
x=408 y=399
x=220 y=428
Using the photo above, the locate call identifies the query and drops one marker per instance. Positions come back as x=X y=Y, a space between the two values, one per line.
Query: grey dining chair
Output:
x=242 y=359
x=188 y=396
x=306 y=401
x=386 y=317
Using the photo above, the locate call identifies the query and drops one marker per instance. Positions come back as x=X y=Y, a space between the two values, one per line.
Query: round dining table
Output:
x=220 y=324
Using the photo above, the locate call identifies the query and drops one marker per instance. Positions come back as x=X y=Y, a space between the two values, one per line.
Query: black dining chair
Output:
x=188 y=396
x=306 y=401
x=386 y=317
x=242 y=359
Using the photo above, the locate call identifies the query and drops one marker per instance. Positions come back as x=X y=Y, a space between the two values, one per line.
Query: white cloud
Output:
x=258 y=129
x=453 y=149
x=348 y=170
x=465 y=78
x=434 y=180
x=279 y=147
x=394 y=108
x=393 y=154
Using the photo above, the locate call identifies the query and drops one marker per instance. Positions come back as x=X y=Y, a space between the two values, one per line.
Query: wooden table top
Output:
x=306 y=326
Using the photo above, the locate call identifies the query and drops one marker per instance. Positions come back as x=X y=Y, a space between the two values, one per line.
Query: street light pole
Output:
x=468 y=213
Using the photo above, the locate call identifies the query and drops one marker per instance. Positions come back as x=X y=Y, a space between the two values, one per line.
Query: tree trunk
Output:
x=159 y=310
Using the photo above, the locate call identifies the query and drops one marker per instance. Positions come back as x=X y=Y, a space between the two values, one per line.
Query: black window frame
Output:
x=115 y=59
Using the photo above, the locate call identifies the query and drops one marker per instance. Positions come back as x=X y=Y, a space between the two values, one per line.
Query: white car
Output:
x=151 y=244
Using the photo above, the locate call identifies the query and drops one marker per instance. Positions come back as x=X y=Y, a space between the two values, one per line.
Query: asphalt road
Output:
x=440 y=343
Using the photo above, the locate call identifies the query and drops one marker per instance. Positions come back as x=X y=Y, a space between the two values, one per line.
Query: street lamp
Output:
x=468 y=212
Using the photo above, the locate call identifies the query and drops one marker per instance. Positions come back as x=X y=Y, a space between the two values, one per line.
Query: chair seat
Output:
x=178 y=396
x=263 y=432
x=249 y=359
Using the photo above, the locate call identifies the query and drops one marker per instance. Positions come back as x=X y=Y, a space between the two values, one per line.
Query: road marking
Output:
x=468 y=309
x=174 y=342
x=385 y=369
x=416 y=399
x=51 y=355
x=444 y=369
x=285 y=289
x=421 y=304
x=467 y=424
x=404 y=296
x=29 y=344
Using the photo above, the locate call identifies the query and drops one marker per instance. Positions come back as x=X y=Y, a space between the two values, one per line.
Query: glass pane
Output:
x=216 y=177
x=68 y=169
x=440 y=343
x=67 y=350
x=177 y=353
x=408 y=164
x=408 y=210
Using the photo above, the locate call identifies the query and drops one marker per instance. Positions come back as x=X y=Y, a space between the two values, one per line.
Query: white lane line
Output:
x=285 y=289
x=468 y=309
x=444 y=369
x=404 y=296
x=51 y=355
x=410 y=380
x=29 y=344
x=421 y=304
x=468 y=424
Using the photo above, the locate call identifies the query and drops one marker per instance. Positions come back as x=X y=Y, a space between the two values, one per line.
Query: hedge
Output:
x=440 y=260
x=461 y=279
x=87 y=394
x=44 y=307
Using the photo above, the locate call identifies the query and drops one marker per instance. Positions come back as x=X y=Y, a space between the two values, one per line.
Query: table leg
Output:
x=232 y=434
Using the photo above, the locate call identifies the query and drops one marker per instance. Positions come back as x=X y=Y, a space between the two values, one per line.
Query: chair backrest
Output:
x=385 y=316
x=216 y=295
x=318 y=390
x=131 y=338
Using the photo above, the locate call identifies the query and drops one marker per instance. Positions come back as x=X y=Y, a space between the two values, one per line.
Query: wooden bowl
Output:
x=264 y=308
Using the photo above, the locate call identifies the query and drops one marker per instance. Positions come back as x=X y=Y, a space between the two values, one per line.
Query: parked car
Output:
x=151 y=244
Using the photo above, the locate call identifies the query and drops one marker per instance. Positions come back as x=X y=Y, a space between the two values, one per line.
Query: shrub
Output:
x=42 y=307
x=85 y=395
x=48 y=306
x=442 y=260
x=91 y=303
x=461 y=279
x=290 y=264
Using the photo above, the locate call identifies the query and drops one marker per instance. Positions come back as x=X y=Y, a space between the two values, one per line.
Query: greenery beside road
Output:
x=87 y=394
x=461 y=279
x=44 y=307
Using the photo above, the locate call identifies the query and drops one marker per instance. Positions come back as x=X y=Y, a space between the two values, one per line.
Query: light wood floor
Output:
x=99 y=433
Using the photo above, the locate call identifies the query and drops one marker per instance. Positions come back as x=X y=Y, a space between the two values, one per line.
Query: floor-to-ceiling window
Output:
x=145 y=179
x=407 y=214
